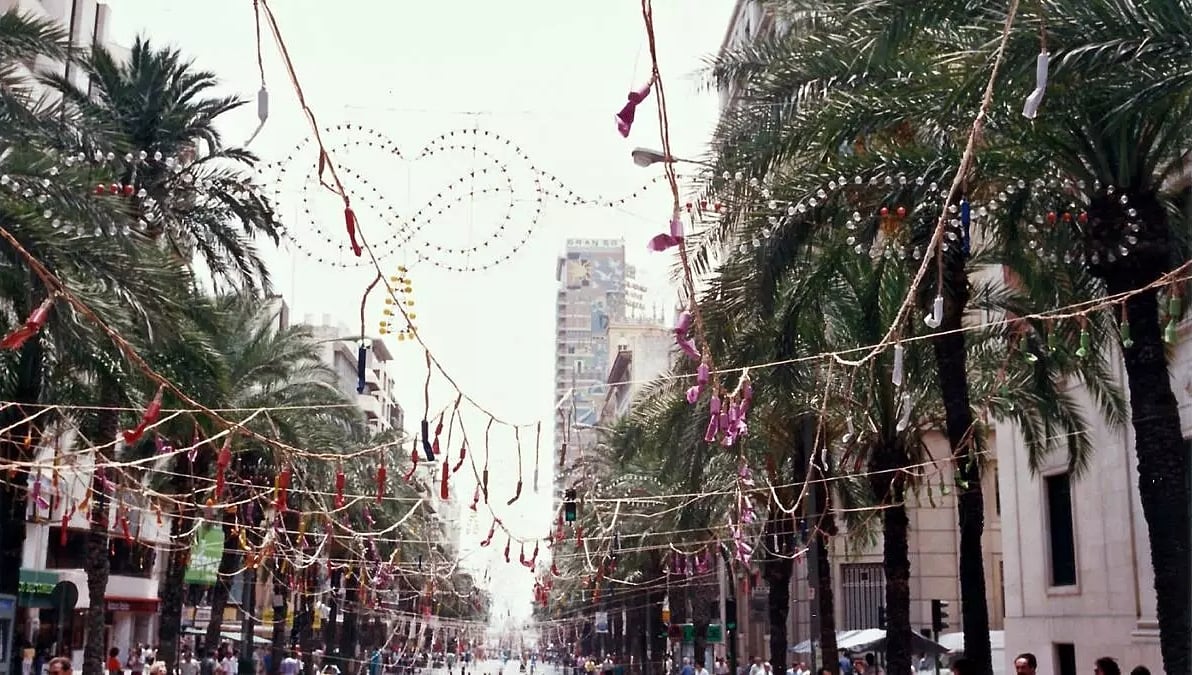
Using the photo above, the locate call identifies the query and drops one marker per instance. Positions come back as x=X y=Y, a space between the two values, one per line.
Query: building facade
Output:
x=591 y=296
x=643 y=351
x=340 y=348
x=55 y=550
x=1079 y=582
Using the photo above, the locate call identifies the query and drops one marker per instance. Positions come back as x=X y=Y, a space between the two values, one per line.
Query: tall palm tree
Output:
x=835 y=85
x=195 y=194
x=45 y=204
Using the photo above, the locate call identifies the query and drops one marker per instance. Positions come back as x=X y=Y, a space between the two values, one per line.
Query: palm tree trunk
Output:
x=279 y=625
x=779 y=579
x=347 y=634
x=825 y=529
x=1163 y=477
x=702 y=599
x=332 y=610
x=951 y=370
x=889 y=490
x=172 y=592
x=14 y=449
x=826 y=607
x=97 y=561
x=229 y=562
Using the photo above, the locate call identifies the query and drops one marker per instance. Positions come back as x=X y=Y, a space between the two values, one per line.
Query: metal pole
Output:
x=813 y=580
x=247 y=600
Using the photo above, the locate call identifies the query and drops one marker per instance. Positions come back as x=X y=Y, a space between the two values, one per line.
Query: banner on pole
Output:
x=205 y=554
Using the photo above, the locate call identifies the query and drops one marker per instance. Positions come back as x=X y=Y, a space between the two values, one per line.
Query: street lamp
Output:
x=644 y=157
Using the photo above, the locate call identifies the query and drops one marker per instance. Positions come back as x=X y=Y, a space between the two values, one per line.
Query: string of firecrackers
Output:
x=150 y=415
x=1171 y=281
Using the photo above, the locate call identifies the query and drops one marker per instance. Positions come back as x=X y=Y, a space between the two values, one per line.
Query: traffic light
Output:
x=569 y=505
x=881 y=617
x=730 y=613
x=939 y=616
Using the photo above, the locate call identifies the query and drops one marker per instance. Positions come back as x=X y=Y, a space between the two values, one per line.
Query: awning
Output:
x=34 y=588
x=134 y=605
x=230 y=637
x=872 y=640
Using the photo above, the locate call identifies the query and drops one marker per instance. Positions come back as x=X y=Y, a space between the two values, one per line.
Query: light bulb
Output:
x=937 y=313
x=904 y=420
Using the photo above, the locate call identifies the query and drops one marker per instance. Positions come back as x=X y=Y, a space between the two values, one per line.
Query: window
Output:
x=997 y=493
x=1061 y=534
x=132 y=559
x=1065 y=659
x=864 y=588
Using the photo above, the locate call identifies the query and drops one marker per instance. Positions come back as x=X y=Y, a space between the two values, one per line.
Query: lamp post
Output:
x=645 y=157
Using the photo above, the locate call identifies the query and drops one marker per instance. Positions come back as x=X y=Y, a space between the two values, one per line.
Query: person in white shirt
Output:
x=700 y=669
x=756 y=668
x=230 y=665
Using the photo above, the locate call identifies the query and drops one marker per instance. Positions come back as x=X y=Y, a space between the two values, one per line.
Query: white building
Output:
x=1079 y=584
x=341 y=347
x=56 y=547
x=643 y=351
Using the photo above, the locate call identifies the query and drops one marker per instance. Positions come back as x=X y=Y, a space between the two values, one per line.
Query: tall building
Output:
x=592 y=295
x=340 y=348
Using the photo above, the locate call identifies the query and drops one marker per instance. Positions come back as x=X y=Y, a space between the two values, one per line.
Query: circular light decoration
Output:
x=463 y=219
x=392 y=320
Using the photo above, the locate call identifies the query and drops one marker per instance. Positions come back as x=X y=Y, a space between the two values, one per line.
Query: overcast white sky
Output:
x=547 y=75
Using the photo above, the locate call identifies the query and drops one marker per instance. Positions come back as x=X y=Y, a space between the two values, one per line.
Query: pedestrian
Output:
x=1106 y=666
x=113 y=664
x=135 y=665
x=188 y=666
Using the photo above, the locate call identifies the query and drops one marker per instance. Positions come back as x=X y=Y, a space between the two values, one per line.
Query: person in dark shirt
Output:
x=208 y=665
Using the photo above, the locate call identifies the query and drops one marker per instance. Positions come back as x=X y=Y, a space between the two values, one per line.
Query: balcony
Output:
x=370 y=405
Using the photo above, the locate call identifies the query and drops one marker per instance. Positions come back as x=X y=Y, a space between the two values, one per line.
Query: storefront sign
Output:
x=36 y=582
x=134 y=605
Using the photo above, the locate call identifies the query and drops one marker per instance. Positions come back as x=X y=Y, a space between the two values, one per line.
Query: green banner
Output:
x=204 y=556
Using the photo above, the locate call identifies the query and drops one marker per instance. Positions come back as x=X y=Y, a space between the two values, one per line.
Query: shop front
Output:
x=40 y=626
x=131 y=622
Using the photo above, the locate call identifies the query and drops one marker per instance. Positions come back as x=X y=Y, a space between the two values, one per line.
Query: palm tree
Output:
x=835 y=83
x=193 y=190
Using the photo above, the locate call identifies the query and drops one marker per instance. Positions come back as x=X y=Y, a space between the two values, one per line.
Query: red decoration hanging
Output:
x=414 y=462
x=380 y=483
x=516 y=494
x=463 y=453
x=350 y=223
x=33 y=324
x=475 y=498
x=444 y=488
x=340 y=481
x=484 y=484
x=221 y=466
x=492 y=530
x=508 y=543
x=283 y=485
x=151 y=414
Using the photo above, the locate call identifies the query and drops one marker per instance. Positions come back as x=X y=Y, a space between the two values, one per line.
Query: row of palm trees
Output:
x=834 y=164
x=191 y=211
